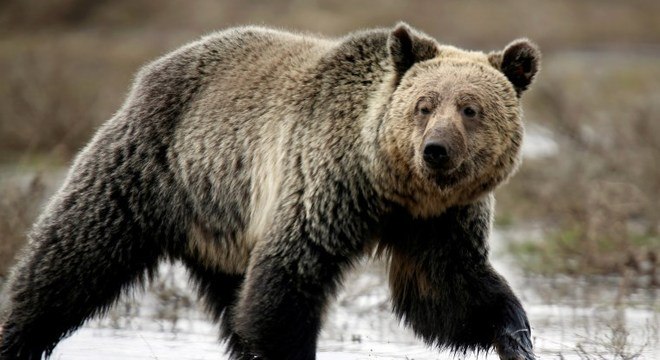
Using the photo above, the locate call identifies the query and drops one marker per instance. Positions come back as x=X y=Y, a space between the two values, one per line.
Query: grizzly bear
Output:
x=268 y=163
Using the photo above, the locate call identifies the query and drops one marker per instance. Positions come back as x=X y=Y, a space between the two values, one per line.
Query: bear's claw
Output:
x=515 y=345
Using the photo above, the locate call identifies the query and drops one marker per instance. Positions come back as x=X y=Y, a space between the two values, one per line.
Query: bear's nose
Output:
x=435 y=155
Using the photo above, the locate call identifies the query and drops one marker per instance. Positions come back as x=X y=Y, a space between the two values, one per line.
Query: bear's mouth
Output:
x=451 y=177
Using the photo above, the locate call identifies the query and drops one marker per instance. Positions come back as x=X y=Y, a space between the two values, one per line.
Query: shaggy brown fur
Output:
x=269 y=162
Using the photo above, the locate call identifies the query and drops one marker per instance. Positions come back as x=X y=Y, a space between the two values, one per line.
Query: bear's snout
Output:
x=442 y=150
x=435 y=155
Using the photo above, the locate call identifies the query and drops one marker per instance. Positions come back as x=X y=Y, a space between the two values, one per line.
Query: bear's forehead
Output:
x=467 y=68
x=448 y=52
x=461 y=75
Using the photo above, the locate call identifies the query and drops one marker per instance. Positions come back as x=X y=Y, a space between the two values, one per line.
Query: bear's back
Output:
x=260 y=60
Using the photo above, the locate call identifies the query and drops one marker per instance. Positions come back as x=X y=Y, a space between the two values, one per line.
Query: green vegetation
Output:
x=570 y=252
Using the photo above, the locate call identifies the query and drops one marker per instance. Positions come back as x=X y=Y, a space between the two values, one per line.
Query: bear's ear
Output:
x=407 y=46
x=519 y=61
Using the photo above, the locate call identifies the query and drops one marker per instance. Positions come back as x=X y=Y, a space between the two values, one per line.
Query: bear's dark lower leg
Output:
x=279 y=312
x=470 y=310
x=219 y=291
x=445 y=289
x=73 y=269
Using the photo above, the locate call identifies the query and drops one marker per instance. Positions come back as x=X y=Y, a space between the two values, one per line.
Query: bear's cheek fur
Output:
x=416 y=144
x=405 y=133
x=398 y=136
x=494 y=157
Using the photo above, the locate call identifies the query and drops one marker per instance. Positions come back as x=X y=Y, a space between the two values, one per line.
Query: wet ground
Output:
x=571 y=319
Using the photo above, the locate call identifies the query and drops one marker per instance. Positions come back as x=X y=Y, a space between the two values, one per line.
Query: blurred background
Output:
x=584 y=209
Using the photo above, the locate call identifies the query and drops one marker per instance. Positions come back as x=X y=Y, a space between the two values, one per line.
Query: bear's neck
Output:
x=347 y=92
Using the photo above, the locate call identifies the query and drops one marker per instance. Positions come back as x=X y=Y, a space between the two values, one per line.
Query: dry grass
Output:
x=68 y=64
x=51 y=97
x=598 y=196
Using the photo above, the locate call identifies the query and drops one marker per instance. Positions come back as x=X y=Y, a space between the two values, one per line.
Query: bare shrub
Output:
x=53 y=112
x=616 y=341
x=18 y=208
x=51 y=107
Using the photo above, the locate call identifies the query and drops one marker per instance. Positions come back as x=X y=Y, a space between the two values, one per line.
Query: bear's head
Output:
x=452 y=130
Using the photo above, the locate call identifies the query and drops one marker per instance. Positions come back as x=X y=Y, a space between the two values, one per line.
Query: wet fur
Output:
x=268 y=162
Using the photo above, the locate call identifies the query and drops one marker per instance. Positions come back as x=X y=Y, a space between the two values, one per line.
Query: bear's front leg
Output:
x=289 y=281
x=445 y=289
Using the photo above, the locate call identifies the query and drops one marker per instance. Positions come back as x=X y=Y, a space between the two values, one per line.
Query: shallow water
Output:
x=569 y=317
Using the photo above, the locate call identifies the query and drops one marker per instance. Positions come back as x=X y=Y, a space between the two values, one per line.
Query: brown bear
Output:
x=268 y=163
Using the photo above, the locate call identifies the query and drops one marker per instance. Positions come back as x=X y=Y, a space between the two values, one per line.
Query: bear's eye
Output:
x=424 y=107
x=469 y=112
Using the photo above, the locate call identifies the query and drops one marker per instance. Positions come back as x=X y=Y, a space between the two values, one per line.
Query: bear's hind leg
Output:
x=82 y=254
